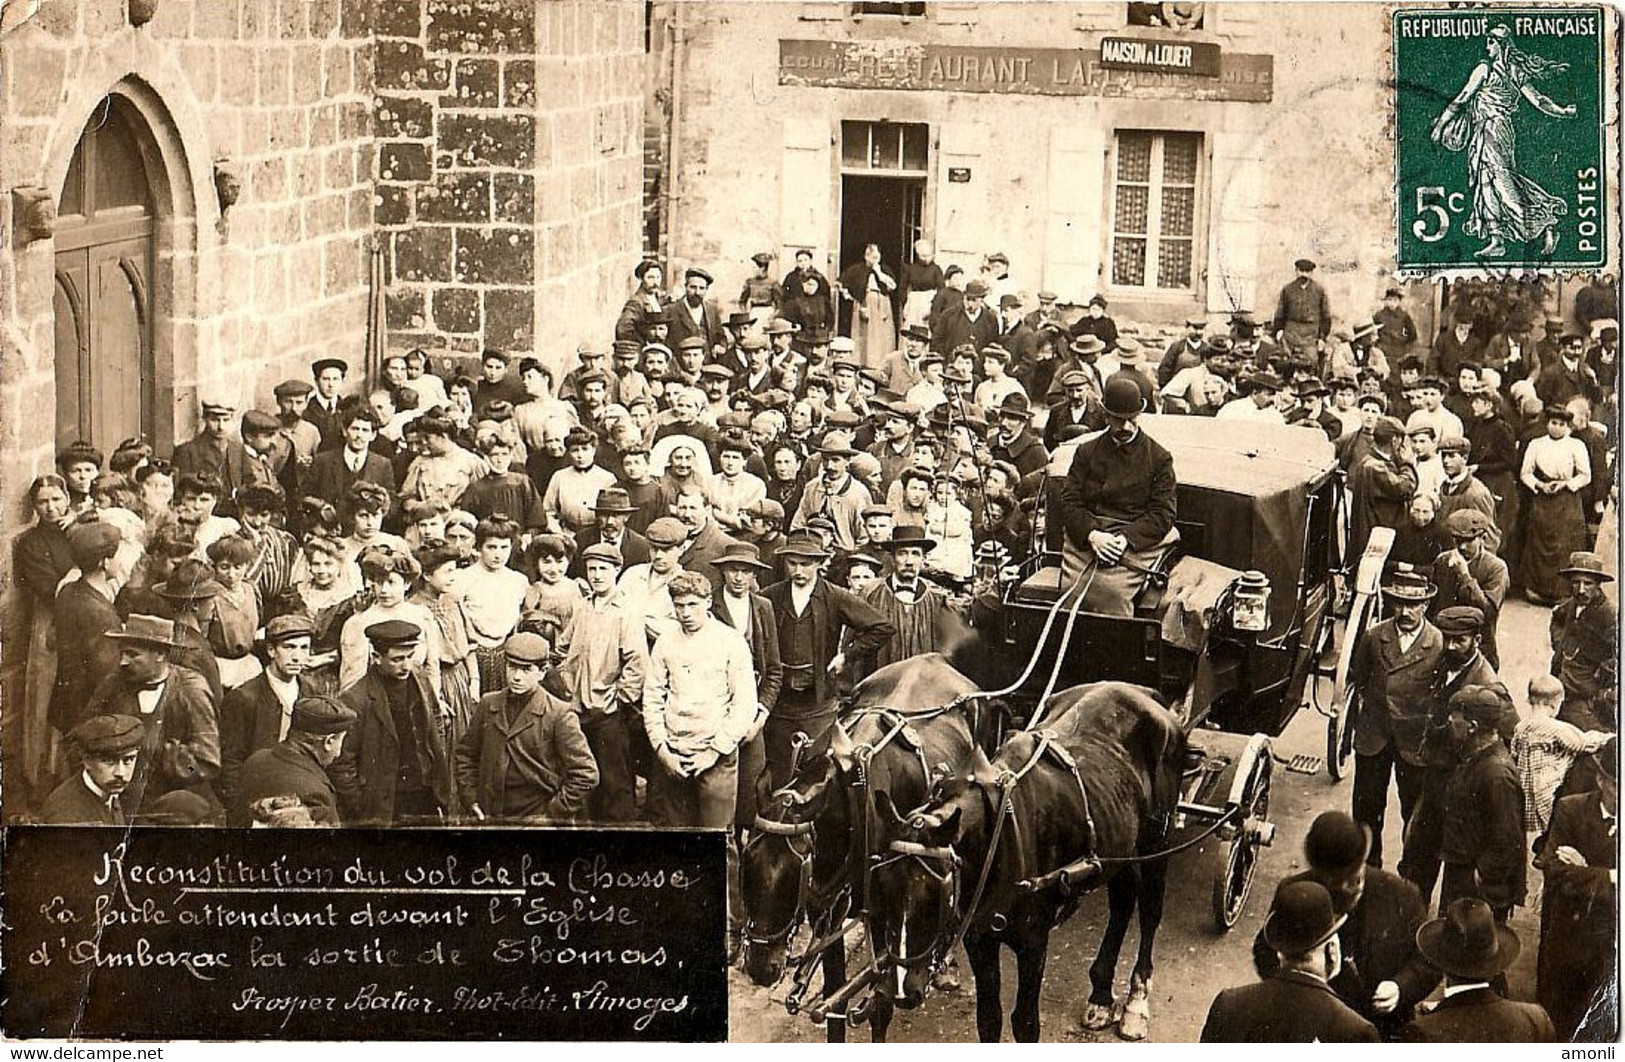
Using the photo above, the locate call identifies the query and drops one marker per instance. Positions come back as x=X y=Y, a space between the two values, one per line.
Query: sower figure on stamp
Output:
x=1506 y=204
x=524 y=759
x=1117 y=502
x=108 y=747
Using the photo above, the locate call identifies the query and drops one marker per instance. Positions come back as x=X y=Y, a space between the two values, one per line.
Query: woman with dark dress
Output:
x=41 y=559
x=1420 y=538
x=785 y=481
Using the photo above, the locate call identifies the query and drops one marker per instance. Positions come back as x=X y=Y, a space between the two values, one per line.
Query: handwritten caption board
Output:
x=153 y=933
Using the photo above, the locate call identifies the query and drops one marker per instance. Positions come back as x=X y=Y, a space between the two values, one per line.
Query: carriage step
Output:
x=1302 y=763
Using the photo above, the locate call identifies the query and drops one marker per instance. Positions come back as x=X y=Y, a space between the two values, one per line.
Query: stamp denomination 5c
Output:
x=1499 y=117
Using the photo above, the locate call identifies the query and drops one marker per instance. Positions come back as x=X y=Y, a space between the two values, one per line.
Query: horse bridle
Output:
x=761 y=829
x=947 y=878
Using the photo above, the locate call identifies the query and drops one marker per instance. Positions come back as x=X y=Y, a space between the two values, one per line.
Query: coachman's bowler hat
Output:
x=1302 y=918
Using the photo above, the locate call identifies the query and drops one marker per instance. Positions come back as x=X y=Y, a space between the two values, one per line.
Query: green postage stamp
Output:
x=1499 y=115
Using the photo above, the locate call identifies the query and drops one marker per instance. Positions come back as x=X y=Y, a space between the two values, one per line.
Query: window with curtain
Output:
x=1155 y=189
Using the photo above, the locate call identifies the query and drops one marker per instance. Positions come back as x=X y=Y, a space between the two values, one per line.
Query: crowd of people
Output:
x=619 y=595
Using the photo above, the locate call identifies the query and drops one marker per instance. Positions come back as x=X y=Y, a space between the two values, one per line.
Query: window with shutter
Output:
x=1156 y=184
x=822 y=11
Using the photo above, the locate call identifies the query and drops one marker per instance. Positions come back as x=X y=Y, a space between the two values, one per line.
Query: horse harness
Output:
x=929 y=855
x=761 y=828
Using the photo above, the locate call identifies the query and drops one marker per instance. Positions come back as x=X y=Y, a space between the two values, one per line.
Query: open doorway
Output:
x=883 y=185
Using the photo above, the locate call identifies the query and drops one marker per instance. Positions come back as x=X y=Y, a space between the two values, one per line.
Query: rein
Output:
x=762 y=828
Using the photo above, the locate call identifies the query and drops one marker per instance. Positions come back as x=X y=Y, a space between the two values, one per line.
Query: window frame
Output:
x=857 y=13
x=1153 y=237
x=870 y=125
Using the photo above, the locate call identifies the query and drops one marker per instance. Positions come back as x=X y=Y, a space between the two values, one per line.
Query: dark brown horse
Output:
x=809 y=849
x=1000 y=856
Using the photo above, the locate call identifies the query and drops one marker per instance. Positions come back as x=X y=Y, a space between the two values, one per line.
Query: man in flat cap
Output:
x=1461 y=666
x=394 y=770
x=1047 y=312
x=107 y=747
x=180 y=746
x=1585 y=645
x=641 y=590
x=1382 y=484
x=694 y=315
x=1567 y=375
x=1303 y=317
x=85 y=616
x=1461 y=489
x=257 y=714
x=1484 y=848
x=298 y=439
x=605 y=658
x=315 y=729
x=215 y=451
x=1469 y=574
x=524 y=760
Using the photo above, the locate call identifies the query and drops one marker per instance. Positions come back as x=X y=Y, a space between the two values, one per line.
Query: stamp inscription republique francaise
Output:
x=1500 y=138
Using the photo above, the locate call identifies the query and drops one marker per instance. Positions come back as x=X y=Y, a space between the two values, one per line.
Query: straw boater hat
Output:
x=1409 y=586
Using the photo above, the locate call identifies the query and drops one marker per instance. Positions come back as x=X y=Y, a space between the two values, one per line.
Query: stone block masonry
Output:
x=509 y=147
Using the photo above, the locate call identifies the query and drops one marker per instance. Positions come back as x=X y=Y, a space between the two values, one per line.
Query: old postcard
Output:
x=786 y=522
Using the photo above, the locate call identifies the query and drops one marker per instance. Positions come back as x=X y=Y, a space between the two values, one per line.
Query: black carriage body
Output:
x=1250 y=497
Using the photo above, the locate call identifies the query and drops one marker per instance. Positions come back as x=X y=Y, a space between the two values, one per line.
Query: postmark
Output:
x=1500 y=139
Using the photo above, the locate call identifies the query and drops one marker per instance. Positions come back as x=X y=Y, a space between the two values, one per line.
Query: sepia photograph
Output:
x=806 y=521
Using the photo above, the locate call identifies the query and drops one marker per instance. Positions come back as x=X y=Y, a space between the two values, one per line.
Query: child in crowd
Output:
x=389 y=572
x=948 y=521
x=1544 y=748
x=649 y=503
x=236 y=610
x=493 y=596
x=553 y=597
x=425 y=522
x=328 y=595
x=437 y=592
x=504 y=490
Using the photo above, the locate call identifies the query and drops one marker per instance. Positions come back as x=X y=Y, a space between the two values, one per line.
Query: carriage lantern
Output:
x=1252 y=602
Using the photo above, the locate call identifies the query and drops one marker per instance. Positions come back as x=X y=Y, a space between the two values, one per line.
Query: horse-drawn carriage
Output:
x=1210 y=666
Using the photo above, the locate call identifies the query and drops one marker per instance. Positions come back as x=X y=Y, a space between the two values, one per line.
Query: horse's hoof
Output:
x=1134 y=1026
x=1096 y=1016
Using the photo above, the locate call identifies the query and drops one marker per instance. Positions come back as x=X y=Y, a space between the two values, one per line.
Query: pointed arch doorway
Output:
x=104 y=299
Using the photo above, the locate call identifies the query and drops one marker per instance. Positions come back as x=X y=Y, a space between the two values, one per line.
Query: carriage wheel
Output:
x=1345 y=698
x=1238 y=858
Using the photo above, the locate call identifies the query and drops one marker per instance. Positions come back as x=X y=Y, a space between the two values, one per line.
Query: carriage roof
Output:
x=1248 y=458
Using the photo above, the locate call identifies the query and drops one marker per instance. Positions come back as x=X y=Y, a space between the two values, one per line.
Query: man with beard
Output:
x=836 y=494
x=523 y=760
x=1394 y=665
x=815 y=617
x=973 y=323
x=693 y=316
x=108 y=747
x=180 y=744
x=706 y=541
x=1585 y=649
x=297 y=764
x=1461 y=666
x=1014 y=441
x=1117 y=502
x=297 y=439
x=1383 y=976
x=1471 y=575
